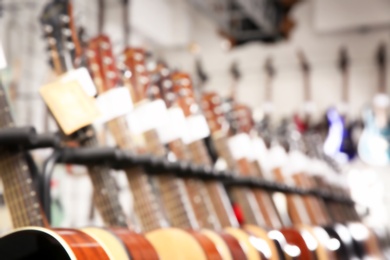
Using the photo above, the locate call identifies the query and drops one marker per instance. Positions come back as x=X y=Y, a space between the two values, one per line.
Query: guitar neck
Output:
x=146 y=203
x=217 y=193
x=382 y=81
x=244 y=196
x=174 y=195
x=314 y=206
x=19 y=190
x=345 y=89
x=106 y=191
x=296 y=207
x=202 y=203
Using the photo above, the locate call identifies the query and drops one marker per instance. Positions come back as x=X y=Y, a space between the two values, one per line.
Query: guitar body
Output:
x=365 y=242
x=318 y=238
x=59 y=244
x=294 y=237
x=255 y=243
x=263 y=234
x=121 y=243
x=228 y=246
x=341 y=233
x=174 y=243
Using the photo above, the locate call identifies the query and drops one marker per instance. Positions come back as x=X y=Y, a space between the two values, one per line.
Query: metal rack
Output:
x=26 y=139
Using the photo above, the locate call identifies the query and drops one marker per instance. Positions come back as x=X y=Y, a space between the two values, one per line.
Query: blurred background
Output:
x=216 y=34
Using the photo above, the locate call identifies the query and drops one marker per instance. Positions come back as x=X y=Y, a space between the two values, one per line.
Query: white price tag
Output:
x=147 y=116
x=277 y=157
x=82 y=76
x=114 y=103
x=240 y=146
x=297 y=162
x=174 y=127
x=3 y=61
x=197 y=129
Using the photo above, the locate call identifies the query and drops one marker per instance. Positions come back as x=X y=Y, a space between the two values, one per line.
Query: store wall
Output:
x=321 y=51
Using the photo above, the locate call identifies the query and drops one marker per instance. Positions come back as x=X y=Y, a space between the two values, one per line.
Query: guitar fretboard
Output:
x=172 y=189
x=105 y=188
x=244 y=196
x=19 y=191
x=218 y=197
x=197 y=193
x=146 y=204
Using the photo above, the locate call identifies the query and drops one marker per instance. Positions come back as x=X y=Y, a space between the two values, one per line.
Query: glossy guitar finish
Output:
x=174 y=243
x=227 y=245
x=41 y=243
x=122 y=243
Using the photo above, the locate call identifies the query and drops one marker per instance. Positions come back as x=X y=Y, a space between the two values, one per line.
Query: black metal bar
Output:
x=120 y=159
x=26 y=138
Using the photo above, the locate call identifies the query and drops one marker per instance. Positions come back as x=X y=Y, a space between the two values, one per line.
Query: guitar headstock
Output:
x=183 y=89
x=161 y=86
x=212 y=105
x=59 y=30
x=134 y=65
x=240 y=118
x=101 y=63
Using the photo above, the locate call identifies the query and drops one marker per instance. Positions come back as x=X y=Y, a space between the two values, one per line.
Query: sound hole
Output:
x=31 y=244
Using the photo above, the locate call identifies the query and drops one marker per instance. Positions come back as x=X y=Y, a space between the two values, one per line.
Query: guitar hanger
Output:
x=200 y=72
x=270 y=73
x=126 y=22
x=381 y=60
x=305 y=67
x=236 y=75
x=101 y=15
x=343 y=64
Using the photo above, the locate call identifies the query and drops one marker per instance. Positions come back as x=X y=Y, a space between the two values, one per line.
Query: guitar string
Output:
x=12 y=183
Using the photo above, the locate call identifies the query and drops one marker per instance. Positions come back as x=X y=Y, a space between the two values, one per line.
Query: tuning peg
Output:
x=65 y=18
x=66 y=31
x=48 y=28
